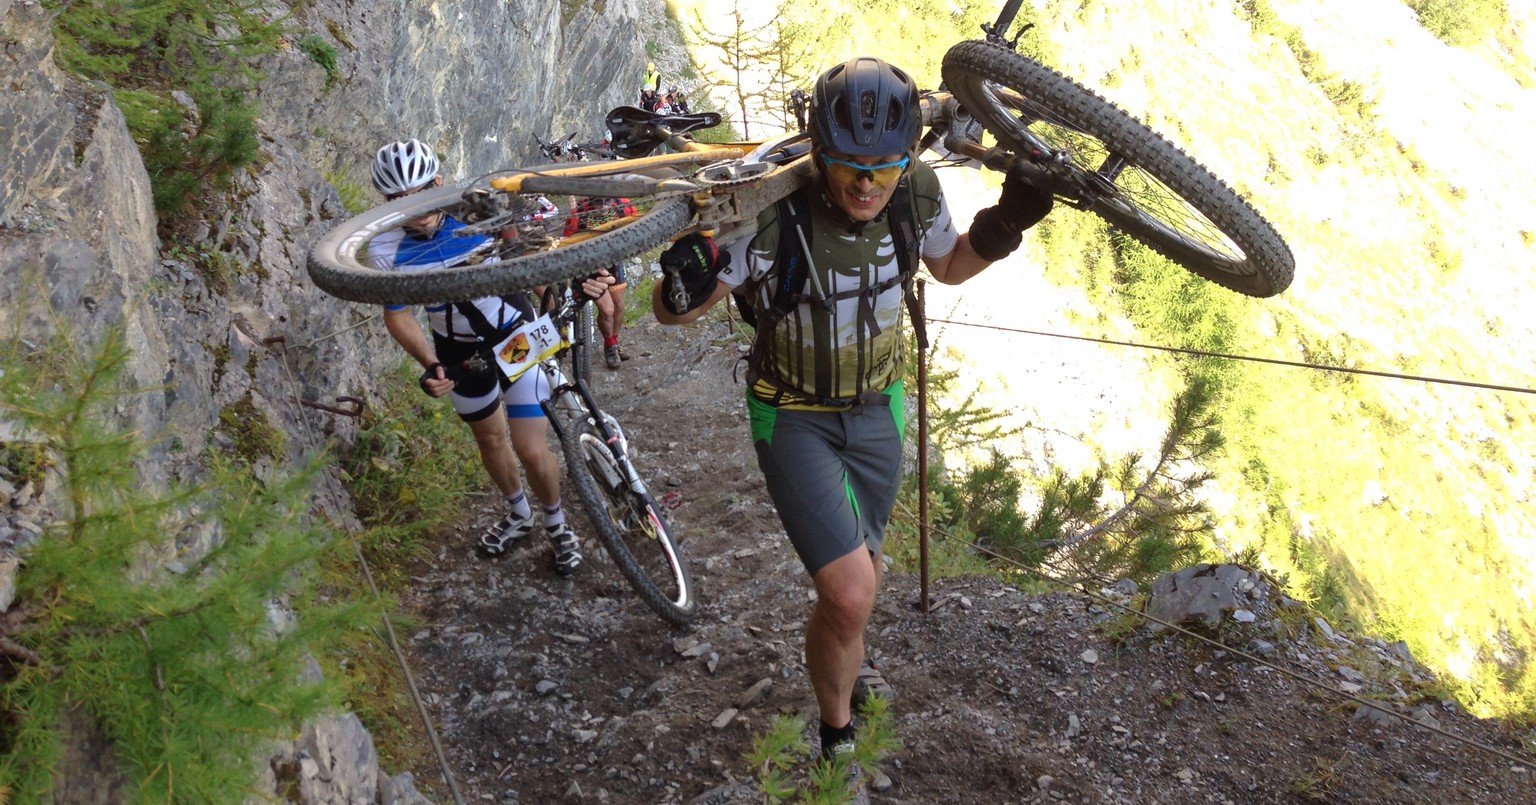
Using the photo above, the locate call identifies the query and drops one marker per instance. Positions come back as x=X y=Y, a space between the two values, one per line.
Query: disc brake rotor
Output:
x=731 y=172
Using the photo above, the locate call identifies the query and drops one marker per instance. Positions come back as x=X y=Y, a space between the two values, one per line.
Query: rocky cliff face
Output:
x=234 y=318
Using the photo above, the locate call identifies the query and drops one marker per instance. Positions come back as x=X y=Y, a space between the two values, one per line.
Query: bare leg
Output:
x=834 y=637
x=606 y=314
x=532 y=446
x=614 y=315
x=496 y=454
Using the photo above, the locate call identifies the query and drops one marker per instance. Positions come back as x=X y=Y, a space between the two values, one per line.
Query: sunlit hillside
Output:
x=1396 y=166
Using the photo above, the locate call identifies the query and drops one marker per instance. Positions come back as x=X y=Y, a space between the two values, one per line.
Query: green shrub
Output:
x=407 y=436
x=179 y=662
x=27 y=462
x=778 y=753
x=147 y=52
x=322 y=53
x=355 y=196
x=1461 y=22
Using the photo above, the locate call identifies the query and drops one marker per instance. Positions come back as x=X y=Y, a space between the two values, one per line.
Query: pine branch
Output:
x=1159 y=497
x=16 y=651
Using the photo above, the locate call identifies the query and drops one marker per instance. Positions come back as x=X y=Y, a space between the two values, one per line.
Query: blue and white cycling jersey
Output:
x=396 y=251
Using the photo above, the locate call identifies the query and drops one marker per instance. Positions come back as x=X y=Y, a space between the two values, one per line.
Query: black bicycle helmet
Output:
x=865 y=107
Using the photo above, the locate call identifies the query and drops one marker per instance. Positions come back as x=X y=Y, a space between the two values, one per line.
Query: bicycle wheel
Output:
x=517 y=253
x=1135 y=179
x=629 y=524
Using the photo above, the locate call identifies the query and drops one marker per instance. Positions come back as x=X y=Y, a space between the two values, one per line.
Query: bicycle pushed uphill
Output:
x=629 y=522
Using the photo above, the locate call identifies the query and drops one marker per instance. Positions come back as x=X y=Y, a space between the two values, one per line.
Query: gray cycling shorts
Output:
x=833 y=475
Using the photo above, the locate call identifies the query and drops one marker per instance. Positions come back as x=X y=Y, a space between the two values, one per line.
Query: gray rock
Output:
x=756 y=694
x=1372 y=716
x=1202 y=594
x=8 y=566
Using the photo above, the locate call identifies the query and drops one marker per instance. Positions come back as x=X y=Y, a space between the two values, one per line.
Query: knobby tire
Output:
x=338 y=266
x=1185 y=213
x=651 y=562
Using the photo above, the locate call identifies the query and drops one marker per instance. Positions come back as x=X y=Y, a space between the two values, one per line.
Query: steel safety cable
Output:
x=1248 y=358
x=362 y=561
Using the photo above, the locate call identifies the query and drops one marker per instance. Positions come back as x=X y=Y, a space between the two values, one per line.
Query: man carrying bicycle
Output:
x=458 y=361
x=824 y=277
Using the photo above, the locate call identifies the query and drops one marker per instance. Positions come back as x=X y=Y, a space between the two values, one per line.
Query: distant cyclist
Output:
x=678 y=100
x=505 y=417
x=589 y=212
x=545 y=211
x=825 y=277
x=652 y=79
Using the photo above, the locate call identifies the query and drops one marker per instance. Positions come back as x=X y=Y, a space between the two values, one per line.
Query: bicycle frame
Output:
x=733 y=183
x=576 y=384
x=743 y=184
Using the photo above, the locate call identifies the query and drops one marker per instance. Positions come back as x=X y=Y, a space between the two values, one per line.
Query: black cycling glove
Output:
x=691 y=265
x=579 y=285
x=998 y=230
x=430 y=373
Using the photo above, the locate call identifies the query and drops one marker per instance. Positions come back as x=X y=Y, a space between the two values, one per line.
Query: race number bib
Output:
x=527 y=346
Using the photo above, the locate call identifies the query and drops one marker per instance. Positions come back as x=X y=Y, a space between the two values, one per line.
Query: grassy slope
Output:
x=1406 y=504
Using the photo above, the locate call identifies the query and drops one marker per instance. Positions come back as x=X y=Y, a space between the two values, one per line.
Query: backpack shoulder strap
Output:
x=904 y=238
x=481 y=326
x=794 y=239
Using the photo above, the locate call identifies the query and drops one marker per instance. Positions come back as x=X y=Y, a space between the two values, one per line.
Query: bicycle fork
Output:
x=583 y=408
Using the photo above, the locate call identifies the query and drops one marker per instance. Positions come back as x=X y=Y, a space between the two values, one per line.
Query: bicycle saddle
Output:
x=632 y=134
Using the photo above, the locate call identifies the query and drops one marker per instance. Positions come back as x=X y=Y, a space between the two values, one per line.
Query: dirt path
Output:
x=550 y=690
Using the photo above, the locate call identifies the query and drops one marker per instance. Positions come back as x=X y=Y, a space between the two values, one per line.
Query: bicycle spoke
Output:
x=1127 y=186
x=1098 y=158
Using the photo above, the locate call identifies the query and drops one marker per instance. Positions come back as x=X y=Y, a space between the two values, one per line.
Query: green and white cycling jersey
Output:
x=851 y=343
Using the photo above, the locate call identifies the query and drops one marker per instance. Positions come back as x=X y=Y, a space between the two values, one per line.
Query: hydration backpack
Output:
x=790 y=272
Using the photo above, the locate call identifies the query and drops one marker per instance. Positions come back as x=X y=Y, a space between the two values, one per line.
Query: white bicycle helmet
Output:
x=403 y=166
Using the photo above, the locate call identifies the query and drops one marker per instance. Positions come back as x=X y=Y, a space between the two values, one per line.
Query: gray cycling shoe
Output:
x=870 y=682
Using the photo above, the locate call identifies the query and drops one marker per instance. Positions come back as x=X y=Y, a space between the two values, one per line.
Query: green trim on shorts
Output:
x=761 y=416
